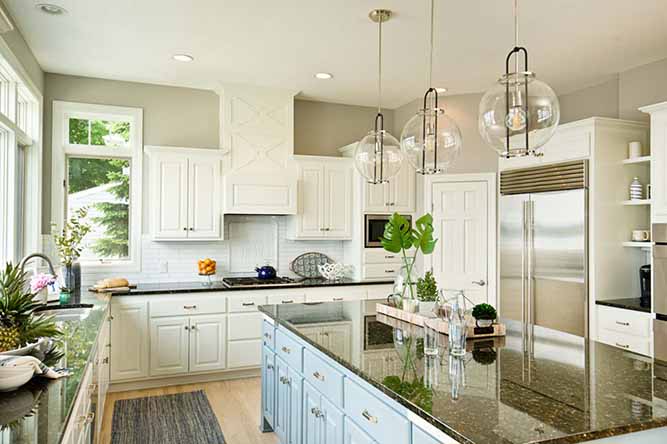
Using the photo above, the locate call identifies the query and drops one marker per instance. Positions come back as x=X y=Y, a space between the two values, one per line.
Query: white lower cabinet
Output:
x=79 y=429
x=129 y=339
x=187 y=344
x=626 y=329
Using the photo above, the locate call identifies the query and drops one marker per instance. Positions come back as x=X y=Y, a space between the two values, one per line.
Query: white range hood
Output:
x=257 y=135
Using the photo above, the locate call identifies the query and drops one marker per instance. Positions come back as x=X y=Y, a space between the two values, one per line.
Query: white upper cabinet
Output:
x=185 y=190
x=396 y=195
x=257 y=136
x=658 y=114
x=325 y=199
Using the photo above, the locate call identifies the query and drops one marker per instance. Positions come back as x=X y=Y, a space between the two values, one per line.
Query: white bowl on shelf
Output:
x=333 y=272
x=12 y=378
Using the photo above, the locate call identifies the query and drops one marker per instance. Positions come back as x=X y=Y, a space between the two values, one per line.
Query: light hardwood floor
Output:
x=236 y=404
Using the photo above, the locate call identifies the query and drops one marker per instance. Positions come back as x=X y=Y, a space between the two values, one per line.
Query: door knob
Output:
x=480 y=282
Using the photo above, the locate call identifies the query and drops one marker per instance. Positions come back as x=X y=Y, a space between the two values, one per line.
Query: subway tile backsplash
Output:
x=265 y=237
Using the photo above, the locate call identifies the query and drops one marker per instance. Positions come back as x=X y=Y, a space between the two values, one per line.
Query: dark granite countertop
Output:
x=195 y=287
x=627 y=304
x=567 y=390
x=38 y=411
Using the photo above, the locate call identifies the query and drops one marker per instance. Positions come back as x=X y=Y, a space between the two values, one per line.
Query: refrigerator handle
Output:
x=530 y=292
x=524 y=205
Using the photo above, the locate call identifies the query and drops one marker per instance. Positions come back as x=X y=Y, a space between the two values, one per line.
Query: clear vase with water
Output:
x=458 y=326
x=405 y=285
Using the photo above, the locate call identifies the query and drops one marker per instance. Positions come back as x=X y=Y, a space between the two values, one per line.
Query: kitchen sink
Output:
x=67 y=313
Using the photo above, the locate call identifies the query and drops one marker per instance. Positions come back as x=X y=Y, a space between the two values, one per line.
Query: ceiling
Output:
x=572 y=43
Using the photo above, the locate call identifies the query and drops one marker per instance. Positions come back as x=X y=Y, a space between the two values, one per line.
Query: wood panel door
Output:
x=461 y=224
x=170 y=340
x=207 y=343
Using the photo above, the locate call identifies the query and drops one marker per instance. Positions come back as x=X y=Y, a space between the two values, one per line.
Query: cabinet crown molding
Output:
x=185 y=151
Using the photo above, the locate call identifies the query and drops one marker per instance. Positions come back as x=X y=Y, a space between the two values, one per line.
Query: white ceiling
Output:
x=572 y=43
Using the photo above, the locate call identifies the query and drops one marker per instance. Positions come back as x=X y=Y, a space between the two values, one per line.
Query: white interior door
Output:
x=204 y=198
x=461 y=223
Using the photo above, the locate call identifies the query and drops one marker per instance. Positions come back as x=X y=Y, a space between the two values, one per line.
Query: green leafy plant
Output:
x=427 y=288
x=399 y=236
x=68 y=241
x=484 y=311
x=19 y=324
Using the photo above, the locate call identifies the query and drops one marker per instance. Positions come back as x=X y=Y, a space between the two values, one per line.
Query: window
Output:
x=98 y=166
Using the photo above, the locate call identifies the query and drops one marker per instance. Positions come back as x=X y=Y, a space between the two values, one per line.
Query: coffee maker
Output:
x=645 y=285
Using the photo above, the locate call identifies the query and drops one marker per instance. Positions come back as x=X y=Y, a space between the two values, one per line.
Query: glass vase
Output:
x=67 y=274
x=405 y=285
x=457 y=324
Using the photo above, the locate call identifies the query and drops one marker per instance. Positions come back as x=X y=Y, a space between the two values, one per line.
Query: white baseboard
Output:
x=183 y=379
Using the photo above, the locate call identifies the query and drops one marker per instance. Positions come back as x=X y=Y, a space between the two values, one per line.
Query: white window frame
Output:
x=62 y=149
x=28 y=222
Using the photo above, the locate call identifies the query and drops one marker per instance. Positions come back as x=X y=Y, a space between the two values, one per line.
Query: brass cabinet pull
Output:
x=370 y=418
x=623 y=345
x=286 y=350
x=319 y=376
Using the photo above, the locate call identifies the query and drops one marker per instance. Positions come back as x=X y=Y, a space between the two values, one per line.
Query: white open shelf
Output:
x=637 y=202
x=642 y=159
x=637 y=244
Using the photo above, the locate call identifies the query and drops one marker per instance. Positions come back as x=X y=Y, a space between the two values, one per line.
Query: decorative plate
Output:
x=306 y=265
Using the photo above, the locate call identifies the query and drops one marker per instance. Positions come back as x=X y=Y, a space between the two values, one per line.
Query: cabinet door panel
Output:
x=246 y=353
x=207 y=343
x=332 y=423
x=402 y=191
x=245 y=326
x=353 y=434
x=170 y=339
x=376 y=197
x=337 y=201
x=311 y=422
x=129 y=340
x=170 y=188
x=268 y=385
x=295 y=404
x=204 y=198
x=310 y=221
x=282 y=401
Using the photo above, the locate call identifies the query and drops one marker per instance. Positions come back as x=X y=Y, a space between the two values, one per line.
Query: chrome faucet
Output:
x=40 y=255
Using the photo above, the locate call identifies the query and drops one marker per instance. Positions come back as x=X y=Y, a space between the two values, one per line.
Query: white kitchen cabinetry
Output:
x=335 y=336
x=396 y=195
x=658 y=114
x=325 y=199
x=79 y=429
x=170 y=339
x=129 y=339
x=626 y=329
x=186 y=193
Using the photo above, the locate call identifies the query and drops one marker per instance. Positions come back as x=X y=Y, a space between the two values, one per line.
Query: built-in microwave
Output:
x=374 y=228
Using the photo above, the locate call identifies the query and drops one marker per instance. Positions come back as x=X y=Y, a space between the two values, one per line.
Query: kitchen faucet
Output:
x=40 y=255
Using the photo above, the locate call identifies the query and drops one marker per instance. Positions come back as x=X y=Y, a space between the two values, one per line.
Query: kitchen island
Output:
x=562 y=389
x=66 y=410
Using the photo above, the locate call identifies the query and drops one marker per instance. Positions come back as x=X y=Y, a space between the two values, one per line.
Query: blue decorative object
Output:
x=266 y=272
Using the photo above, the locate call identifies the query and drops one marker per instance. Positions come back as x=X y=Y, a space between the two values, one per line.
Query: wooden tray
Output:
x=440 y=325
x=112 y=289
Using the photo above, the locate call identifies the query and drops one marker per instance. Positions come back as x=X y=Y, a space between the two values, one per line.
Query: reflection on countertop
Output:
x=563 y=389
x=37 y=412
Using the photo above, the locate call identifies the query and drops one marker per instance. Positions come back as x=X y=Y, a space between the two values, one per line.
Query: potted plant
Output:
x=39 y=285
x=427 y=292
x=20 y=326
x=69 y=246
x=484 y=314
x=399 y=236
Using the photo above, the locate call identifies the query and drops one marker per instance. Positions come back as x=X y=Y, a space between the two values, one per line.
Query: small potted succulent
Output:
x=484 y=314
x=427 y=292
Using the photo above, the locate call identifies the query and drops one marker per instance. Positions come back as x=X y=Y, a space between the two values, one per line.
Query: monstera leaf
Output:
x=422 y=234
x=397 y=234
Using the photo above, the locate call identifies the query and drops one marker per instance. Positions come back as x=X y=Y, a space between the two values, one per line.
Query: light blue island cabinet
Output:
x=381 y=388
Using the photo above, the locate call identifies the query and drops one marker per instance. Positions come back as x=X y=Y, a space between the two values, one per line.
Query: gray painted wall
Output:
x=321 y=128
x=172 y=116
x=476 y=156
x=23 y=53
x=599 y=100
x=644 y=85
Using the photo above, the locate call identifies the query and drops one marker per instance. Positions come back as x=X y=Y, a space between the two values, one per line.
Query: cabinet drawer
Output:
x=381 y=271
x=286 y=298
x=624 y=321
x=374 y=416
x=349 y=293
x=290 y=350
x=380 y=256
x=631 y=343
x=191 y=305
x=323 y=377
x=244 y=353
x=245 y=302
x=379 y=292
x=245 y=326
x=269 y=335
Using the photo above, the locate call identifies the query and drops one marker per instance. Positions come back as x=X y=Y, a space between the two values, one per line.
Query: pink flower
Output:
x=40 y=281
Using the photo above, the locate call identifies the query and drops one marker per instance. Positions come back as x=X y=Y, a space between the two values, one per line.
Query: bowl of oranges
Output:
x=207 y=267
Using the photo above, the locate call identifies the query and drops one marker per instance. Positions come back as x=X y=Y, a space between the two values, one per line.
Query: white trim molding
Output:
x=61 y=149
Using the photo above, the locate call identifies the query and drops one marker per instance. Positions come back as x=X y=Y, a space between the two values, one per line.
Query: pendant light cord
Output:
x=380 y=65
x=516 y=33
x=429 y=71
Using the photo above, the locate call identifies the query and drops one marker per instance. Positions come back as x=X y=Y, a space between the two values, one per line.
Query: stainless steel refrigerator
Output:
x=543 y=246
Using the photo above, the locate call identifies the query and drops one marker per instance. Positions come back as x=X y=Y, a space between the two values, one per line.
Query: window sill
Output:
x=117 y=267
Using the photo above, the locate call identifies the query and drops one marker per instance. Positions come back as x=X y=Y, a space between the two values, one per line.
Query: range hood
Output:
x=257 y=135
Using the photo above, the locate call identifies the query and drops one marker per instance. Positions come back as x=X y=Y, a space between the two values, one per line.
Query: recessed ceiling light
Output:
x=324 y=76
x=51 y=9
x=441 y=90
x=182 y=57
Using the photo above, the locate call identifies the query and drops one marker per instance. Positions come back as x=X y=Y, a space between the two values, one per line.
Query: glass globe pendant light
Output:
x=520 y=113
x=431 y=140
x=378 y=156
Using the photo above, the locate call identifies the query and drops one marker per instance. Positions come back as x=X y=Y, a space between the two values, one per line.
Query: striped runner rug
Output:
x=180 y=418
